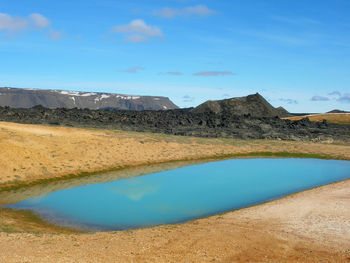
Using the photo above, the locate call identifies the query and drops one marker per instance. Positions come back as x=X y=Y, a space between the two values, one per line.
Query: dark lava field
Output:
x=184 y=122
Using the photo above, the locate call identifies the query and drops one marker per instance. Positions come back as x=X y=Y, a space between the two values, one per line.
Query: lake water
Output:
x=183 y=194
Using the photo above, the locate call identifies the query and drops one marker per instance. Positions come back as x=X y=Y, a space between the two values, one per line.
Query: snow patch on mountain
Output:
x=27 y=98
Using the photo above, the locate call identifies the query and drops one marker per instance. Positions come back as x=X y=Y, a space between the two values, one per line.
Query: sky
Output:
x=294 y=53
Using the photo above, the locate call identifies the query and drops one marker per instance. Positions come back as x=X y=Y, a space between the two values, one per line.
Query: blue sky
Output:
x=295 y=53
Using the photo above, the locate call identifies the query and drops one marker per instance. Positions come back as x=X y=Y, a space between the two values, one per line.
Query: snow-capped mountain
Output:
x=27 y=98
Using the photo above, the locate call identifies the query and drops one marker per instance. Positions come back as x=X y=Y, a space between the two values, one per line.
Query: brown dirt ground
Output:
x=312 y=226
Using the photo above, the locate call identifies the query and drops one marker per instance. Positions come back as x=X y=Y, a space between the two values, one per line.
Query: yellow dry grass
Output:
x=33 y=152
x=339 y=118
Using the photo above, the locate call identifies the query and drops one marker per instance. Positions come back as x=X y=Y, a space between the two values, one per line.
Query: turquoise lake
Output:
x=183 y=194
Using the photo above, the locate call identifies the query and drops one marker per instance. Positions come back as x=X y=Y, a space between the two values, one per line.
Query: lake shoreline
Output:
x=304 y=226
x=293 y=228
x=51 y=227
x=35 y=154
x=25 y=184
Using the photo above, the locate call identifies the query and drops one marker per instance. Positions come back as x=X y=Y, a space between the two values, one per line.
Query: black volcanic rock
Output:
x=183 y=122
x=282 y=112
x=338 y=111
x=27 y=98
x=250 y=117
x=254 y=105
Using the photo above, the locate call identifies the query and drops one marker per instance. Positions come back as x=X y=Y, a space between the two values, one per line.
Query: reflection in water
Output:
x=15 y=196
x=182 y=194
x=135 y=189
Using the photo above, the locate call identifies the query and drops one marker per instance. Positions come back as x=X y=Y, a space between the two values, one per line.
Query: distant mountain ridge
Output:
x=27 y=98
x=338 y=111
x=254 y=105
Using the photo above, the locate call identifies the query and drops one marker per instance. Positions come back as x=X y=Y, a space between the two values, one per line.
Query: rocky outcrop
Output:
x=254 y=105
x=183 y=122
x=282 y=112
x=338 y=111
x=27 y=98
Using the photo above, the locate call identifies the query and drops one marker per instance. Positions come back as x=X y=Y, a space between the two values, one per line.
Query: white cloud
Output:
x=34 y=21
x=18 y=23
x=138 y=26
x=198 y=10
x=10 y=23
x=138 y=31
x=39 y=21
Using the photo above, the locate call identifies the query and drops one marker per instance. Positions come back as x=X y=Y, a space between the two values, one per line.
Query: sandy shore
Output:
x=312 y=226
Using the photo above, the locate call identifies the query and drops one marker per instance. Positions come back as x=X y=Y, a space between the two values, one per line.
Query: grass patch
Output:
x=17 y=221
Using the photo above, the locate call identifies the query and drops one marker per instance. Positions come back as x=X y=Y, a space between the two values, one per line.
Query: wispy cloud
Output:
x=55 y=35
x=173 y=73
x=185 y=1
x=296 y=20
x=136 y=38
x=137 y=31
x=187 y=98
x=34 y=21
x=282 y=38
x=319 y=98
x=335 y=93
x=288 y=101
x=345 y=98
x=198 y=10
x=213 y=73
x=290 y=38
x=133 y=70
